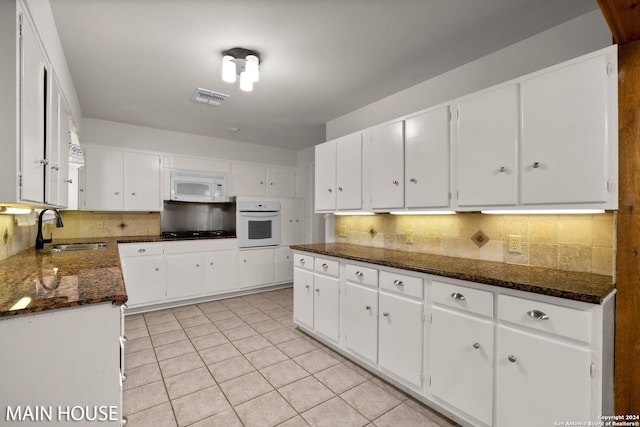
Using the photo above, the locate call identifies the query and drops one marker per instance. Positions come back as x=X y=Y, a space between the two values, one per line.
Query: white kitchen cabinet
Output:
x=143 y=270
x=546 y=379
x=283 y=265
x=255 y=267
x=360 y=320
x=62 y=358
x=281 y=181
x=118 y=180
x=292 y=221
x=387 y=166
x=486 y=148
x=426 y=160
x=567 y=142
x=185 y=275
x=220 y=272
x=303 y=290
x=254 y=179
x=461 y=361
x=338 y=174
x=326 y=298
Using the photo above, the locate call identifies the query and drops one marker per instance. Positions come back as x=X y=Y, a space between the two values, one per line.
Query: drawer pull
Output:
x=368 y=307
x=307 y=286
x=325 y=266
x=458 y=296
x=318 y=291
x=398 y=282
x=385 y=314
x=359 y=274
x=476 y=345
x=302 y=261
x=537 y=314
x=141 y=251
x=512 y=358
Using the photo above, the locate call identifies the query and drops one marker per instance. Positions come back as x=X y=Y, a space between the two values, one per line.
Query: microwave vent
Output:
x=210 y=97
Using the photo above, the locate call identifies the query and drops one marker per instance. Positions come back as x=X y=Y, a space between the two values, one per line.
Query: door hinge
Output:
x=457 y=113
x=592 y=370
x=421 y=377
x=609 y=68
x=449 y=195
x=423 y=316
x=431 y=318
x=429 y=379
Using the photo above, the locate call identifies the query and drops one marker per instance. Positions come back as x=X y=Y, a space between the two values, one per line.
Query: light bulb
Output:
x=252 y=67
x=228 y=69
x=246 y=84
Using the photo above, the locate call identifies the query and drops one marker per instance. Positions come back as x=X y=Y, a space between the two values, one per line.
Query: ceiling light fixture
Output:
x=242 y=62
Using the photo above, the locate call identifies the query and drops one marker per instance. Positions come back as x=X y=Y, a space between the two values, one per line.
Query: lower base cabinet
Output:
x=326 y=306
x=255 y=267
x=220 y=273
x=303 y=296
x=360 y=320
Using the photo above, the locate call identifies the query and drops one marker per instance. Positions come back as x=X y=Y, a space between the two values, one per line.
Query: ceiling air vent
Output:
x=207 y=96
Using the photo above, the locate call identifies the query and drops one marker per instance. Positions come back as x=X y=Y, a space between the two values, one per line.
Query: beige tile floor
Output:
x=242 y=362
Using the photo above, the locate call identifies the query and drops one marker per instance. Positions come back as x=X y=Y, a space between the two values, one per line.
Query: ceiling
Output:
x=139 y=61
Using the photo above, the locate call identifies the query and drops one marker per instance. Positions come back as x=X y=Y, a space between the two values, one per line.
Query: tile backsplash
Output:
x=583 y=243
x=13 y=238
x=102 y=224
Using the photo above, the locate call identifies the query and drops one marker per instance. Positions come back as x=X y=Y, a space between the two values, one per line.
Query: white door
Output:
x=426 y=159
x=325 y=176
x=326 y=306
x=104 y=179
x=52 y=179
x=565 y=142
x=532 y=379
x=461 y=362
x=34 y=80
x=185 y=273
x=349 y=172
x=360 y=320
x=144 y=279
x=220 y=271
x=303 y=297
x=64 y=180
x=400 y=338
x=387 y=166
x=487 y=138
x=142 y=182
x=255 y=267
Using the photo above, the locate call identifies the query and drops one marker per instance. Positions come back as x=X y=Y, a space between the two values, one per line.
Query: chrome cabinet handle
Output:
x=339 y=188
x=142 y=250
x=329 y=190
x=537 y=314
x=395 y=182
x=70 y=181
x=368 y=307
x=512 y=358
x=325 y=266
x=157 y=269
x=476 y=345
x=415 y=181
x=133 y=194
x=458 y=296
x=197 y=265
x=502 y=169
x=536 y=165
x=307 y=286
x=385 y=314
x=211 y=263
x=359 y=274
x=302 y=261
x=55 y=168
x=318 y=291
x=398 y=282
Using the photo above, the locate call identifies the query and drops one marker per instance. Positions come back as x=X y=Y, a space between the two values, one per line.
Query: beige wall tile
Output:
x=575 y=258
x=543 y=255
x=575 y=231
x=543 y=229
x=603 y=260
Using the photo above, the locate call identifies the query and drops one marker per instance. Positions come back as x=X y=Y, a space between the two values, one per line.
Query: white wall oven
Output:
x=258 y=223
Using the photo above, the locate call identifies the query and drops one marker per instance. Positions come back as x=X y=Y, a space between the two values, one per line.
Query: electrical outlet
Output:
x=409 y=234
x=100 y=225
x=342 y=231
x=515 y=243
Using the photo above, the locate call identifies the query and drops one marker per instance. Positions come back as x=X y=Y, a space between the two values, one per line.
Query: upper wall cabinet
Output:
x=338 y=174
x=487 y=136
x=253 y=179
x=118 y=180
x=386 y=166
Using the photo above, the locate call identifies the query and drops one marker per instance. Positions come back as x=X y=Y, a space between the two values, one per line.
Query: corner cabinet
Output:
x=482 y=355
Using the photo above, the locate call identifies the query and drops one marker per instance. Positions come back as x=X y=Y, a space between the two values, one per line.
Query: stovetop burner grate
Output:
x=198 y=233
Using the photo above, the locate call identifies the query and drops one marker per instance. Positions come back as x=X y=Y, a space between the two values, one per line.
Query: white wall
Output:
x=102 y=132
x=573 y=38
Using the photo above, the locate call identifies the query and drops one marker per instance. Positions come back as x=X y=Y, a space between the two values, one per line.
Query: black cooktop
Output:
x=197 y=233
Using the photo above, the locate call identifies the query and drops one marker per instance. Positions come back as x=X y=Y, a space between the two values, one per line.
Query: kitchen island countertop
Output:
x=585 y=287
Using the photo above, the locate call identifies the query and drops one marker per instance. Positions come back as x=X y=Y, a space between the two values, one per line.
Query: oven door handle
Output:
x=261 y=214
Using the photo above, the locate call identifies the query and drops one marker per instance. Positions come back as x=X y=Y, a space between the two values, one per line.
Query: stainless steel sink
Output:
x=63 y=247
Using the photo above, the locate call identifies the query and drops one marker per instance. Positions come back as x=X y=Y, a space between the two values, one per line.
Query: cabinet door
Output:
x=349 y=172
x=33 y=84
x=533 y=375
x=293 y=215
x=325 y=176
x=185 y=273
x=144 y=278
x=255 y=267
x=281 y=182
x=487 y=171
x=326 y=306
x=141 y=182
x=461 y=362
x=360 y=320
x=64 y=180
x=52 y=180
x=303 y=297
x=220 y=271
x=387 y=166
x=426 y=160
x=283 y=265
x=249 y=179
x=104 y=175
x=565 y=144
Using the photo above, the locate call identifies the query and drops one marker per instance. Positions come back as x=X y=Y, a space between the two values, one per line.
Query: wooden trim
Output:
x=627 y=356
x=623 y=17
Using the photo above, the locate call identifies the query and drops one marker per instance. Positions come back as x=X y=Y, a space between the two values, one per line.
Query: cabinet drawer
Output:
x=140 y=249
x=303 y=261
x=555 y=319
x=362 y=275
x=327 y=266
x=406 y=285
x=463 y=298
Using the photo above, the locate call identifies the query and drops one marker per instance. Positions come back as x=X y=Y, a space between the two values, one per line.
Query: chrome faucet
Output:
x=40 y=241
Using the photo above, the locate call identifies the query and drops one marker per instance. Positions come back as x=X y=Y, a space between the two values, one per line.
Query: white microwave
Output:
x=200 y=187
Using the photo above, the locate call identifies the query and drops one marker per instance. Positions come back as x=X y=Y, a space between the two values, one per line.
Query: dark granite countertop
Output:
x=586 y=287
